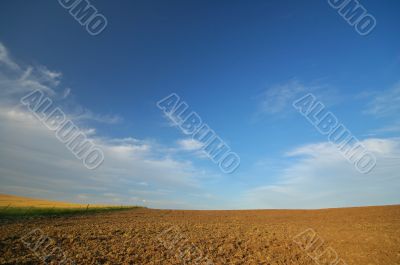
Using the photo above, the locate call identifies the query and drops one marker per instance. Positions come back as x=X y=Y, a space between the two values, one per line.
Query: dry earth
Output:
x=368 y=235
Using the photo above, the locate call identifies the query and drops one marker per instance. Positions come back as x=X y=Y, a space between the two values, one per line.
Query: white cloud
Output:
x=32 y=159
x=87 y=115
x=16 y=82
x=5 y=59
x=385 y=103
x=66 y=93
x=277 y=98
x=34 y=163
x=321 y=177
x=143 y=183
x=190 y=144
x=389 y=128
x=27 y=139
x=51 y=76
x=192 y=147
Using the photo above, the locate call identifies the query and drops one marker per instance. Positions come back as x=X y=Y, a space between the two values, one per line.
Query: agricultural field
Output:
x=7 y=200
x=182 y=132
x=365 y=235
x=22 y=207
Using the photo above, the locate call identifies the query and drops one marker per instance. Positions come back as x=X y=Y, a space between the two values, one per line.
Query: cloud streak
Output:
x=139 y=171
x=34 y=163
x=386 y=103
x=320 y=177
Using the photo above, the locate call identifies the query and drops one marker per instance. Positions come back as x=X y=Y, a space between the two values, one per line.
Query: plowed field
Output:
x=368 y=235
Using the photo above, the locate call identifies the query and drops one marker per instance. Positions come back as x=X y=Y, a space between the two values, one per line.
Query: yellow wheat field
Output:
x=17 y=201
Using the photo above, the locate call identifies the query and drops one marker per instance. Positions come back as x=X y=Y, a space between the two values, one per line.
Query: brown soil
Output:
x=368 y=235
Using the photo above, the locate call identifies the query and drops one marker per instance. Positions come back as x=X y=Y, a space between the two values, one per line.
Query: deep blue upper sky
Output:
x=239 y=65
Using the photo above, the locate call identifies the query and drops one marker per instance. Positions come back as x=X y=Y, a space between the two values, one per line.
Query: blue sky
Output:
x=239 y=65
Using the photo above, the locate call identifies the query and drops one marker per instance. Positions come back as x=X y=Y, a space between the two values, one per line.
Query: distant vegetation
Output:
x=21 y=212
x=21 y=207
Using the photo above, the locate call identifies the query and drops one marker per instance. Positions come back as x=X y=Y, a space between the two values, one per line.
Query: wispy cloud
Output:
x=393 y=128
x=34 y=163
x=385 y=103
x=277 y=100
x=87 y=115
x=33 y=159
x=189 y=144
x=5 y=58
x=320 y=177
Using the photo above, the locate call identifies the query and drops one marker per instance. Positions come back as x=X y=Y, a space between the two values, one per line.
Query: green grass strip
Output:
x=29 y=212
